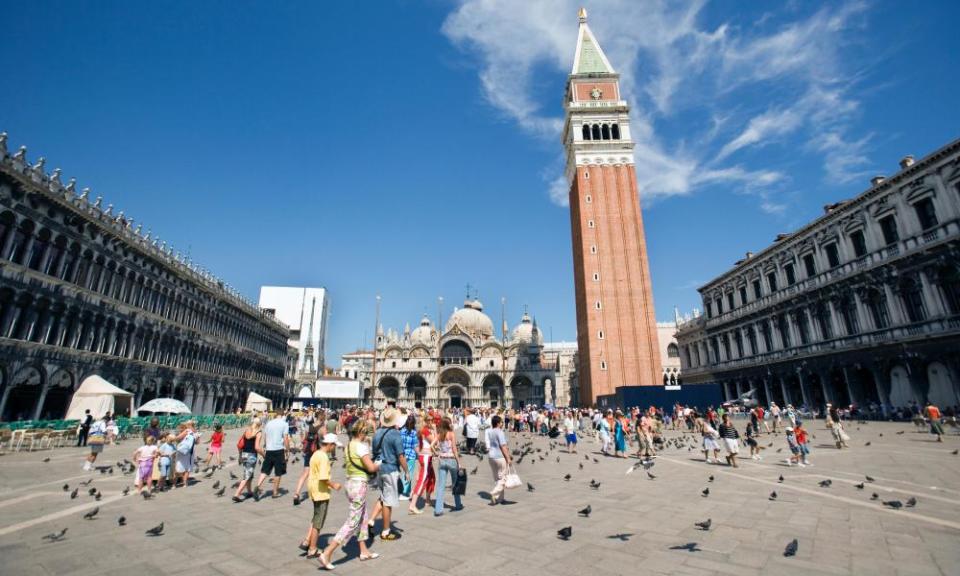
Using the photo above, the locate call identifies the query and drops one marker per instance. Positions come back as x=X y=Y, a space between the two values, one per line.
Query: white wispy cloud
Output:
x=673 y=64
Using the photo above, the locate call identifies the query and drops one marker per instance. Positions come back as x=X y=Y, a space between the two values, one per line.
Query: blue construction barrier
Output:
x=699 y=396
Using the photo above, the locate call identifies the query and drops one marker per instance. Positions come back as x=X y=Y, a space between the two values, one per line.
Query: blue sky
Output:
x=410 y=148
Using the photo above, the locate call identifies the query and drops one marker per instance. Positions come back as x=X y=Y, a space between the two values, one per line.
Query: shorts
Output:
x=274 y=462
x=795 y=450
x=732 y=445
x=164 y=466
x=751 y=443
x=95 y=448
x=319 y=513
x=389 y=491
x=710 y=444
x=213 y=449
x=804 y=450
x=572 y=438
x=249 y=461
x=471 y=443
x=306 y=459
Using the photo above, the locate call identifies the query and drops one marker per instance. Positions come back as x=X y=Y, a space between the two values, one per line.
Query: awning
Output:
x=337 y=389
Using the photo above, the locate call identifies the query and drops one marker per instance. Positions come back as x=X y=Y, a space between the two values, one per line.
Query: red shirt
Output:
x=216 y=439
x=801 y=435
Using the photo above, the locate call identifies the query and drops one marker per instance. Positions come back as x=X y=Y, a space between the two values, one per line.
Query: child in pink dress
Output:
x=144 y=458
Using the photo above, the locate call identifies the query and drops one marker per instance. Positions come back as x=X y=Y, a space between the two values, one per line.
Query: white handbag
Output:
x=512 y=479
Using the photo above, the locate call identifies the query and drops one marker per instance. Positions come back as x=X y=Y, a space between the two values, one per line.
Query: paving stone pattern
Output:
x=635 y=526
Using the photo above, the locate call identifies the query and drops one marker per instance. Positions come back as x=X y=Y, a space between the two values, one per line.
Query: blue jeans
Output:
x=408 y=481
x=447 y=465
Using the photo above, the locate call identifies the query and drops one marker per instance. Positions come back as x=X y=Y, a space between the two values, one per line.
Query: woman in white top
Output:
x=95 y=440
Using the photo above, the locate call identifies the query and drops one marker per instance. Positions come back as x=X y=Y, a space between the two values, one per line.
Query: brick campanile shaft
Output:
x=616 y=324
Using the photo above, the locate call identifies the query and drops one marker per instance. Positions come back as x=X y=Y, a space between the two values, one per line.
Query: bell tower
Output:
x=616 y=324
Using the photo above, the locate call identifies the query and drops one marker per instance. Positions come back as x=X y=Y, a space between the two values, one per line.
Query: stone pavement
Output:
x=635 y=524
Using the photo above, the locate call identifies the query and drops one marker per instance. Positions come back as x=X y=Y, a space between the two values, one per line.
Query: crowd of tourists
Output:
x=411 y=455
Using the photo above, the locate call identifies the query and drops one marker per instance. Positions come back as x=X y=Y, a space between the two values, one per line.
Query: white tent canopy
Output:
x=256 y=402
x=98 y=396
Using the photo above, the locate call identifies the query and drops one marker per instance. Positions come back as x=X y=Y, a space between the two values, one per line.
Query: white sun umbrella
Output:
x=165 y=405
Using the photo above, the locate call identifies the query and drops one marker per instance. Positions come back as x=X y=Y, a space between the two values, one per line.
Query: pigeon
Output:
x=955 y=452
x=530 y=487
x=558 y=459
x=773 y=495
x=126 y=490
x=869 y=479
x=98 y=496
x=651 y=476
x=122 y=521
x=623 y=537
x=705 y=525
x=895 y=504
x=146 y=494
x=705 y=492
x=689 y=547
x=874 y=496
x=567 y=477
x=586 y=511
x=898 y=433
x=780 y=479
x=826 y=483
x=45 y=460
x=66 y=487
x=210 y=473
x=565 y=533
x=911 y=502
x=233 y=476
x=73 y=495
x=86 y=482
x=647 y=464
x=791 y=549
x=92 y=491
x=474 y=471
x=156 y=530
x=859 y=486
x=55 y=536
x=90 y=515
x=220 y=492
x=710 y=479
x=216 y=485
x=867 y=444
x=581 y=467
x=595 y=461
x=594 y=484
x=235 y=485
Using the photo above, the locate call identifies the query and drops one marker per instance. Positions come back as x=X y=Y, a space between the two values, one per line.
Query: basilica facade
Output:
x=467 y=365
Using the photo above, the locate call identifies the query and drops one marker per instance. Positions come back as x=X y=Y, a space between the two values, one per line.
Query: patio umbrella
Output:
x=165 y=405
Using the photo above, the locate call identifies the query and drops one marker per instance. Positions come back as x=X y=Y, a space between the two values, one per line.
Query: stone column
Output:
x=784 y=391
x=881 y=378
x=897 y=316
x=862 y=315
x=826 y=383
x=38 y=407
x=934 y=305
x=803 y=390
x=846 y=381
x=835 y=320
x=767 y=390
x=5 y=397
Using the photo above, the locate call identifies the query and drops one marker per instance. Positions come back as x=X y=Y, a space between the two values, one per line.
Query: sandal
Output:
x=314 y=554
x=414 y=511
x=324 y=562
x=390 y=536
x=304 y=546
x=370 y=556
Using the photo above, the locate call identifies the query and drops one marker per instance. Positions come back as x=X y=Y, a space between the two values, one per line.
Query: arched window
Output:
x=595 y=134
x=586 y=131
x=605 y=132
x=949 y=280
x=615 y=131
x=673 y=351
x=877 y=304
x=912 y=296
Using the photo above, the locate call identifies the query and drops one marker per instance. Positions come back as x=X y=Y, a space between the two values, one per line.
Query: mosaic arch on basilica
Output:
x=467 y=364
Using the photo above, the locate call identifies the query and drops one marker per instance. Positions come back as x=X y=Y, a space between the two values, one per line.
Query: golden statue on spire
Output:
x=582 y=15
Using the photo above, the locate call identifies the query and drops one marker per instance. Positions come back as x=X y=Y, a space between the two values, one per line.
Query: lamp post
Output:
x=376 y=336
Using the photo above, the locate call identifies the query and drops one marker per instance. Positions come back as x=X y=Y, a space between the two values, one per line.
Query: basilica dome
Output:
x=422 y=334
x=472 y=320
x=526 y=332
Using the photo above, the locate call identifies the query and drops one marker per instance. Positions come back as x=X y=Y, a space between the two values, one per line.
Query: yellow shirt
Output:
x=318 y=483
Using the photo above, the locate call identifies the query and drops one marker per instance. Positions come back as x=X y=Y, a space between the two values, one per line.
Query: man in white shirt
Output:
x=471 y=426
x=273 y=446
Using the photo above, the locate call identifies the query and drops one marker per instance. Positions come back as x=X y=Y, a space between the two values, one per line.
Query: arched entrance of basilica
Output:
x=454 y=383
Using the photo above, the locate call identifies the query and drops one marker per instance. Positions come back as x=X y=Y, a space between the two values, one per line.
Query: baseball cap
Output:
x=331 y=439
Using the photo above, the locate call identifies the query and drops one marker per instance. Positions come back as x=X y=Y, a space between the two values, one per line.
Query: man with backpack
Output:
x=388 y=453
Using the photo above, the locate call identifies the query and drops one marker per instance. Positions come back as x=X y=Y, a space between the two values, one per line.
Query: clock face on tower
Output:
x=596 y=93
